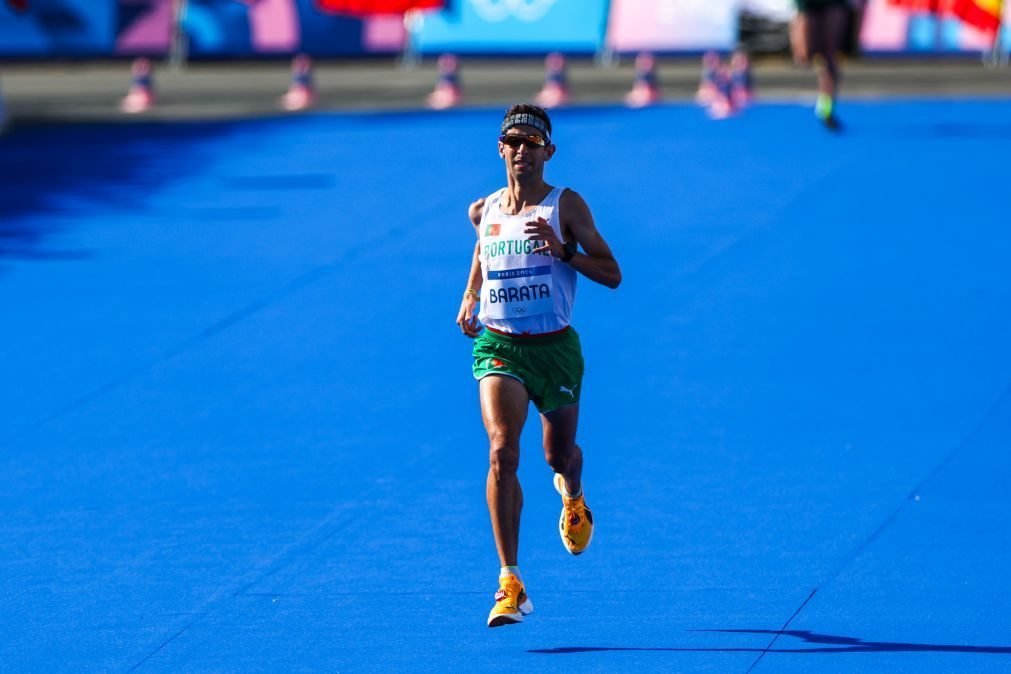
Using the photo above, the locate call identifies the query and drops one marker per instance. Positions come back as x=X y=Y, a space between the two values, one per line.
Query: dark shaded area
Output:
x=130 y=12
x=324 y=34
x=59 y=19
x=831 y=644
x=54 y=171
x=757 y=34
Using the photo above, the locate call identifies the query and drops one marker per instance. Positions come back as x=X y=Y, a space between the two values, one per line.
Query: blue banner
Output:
x=514 y=27
x=214 y=29
x=217 y=28
x=58 y=27
x=325 y=34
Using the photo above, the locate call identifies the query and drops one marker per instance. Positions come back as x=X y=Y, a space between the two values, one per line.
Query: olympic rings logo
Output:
x=500 y=10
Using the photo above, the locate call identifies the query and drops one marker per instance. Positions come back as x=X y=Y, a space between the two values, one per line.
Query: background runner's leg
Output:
x=560 y=448
x=504 y=403
x=826 y=34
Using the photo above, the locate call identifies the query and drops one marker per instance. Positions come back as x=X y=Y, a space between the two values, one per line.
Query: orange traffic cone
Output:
x=447 y=92
x=646 y=89
x=555 y=91
x=302 y=92
x=140 y=97
x=708 y=88
x=722 y=104
x=740 y=79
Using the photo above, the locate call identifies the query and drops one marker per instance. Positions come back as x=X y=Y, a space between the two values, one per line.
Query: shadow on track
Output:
x=980 y=131
x=51 y=173
x=832 y=644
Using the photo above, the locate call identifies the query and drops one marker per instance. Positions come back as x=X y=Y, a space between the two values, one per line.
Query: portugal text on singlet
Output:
x=523 y=291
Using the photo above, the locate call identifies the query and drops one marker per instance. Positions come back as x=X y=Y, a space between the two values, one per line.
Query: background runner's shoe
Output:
x=576 y=523
x=511 y=603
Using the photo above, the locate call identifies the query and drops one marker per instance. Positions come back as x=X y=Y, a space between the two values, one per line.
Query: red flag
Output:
x=983 y=14
x=930 y=6
x=370 y=7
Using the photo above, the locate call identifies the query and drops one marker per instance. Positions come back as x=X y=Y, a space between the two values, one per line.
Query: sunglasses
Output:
x=531 y=142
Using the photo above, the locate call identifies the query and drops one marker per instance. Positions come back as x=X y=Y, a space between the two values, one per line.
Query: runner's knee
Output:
x=559 y=456
x=504 y=456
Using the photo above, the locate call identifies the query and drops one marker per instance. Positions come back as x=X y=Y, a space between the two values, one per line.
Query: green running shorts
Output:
x=550 y=367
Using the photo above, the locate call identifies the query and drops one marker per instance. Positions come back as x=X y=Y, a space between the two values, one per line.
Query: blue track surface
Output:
x=239 y=431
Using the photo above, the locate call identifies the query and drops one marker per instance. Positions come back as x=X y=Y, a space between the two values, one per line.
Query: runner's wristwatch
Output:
x=570 y=248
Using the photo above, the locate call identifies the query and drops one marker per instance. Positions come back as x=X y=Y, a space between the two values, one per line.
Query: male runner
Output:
x=819 y=34
x=524 y=273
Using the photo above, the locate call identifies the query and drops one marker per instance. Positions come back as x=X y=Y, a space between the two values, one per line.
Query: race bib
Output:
x=518 y=293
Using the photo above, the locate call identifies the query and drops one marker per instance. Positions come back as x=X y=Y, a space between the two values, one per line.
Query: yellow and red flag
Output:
x=982 y=14
x=374 y=7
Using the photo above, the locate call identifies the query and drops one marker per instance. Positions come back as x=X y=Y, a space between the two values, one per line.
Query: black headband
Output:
x=526 y=119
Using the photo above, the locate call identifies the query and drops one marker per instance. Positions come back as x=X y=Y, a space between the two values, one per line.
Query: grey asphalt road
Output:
x=65 y=92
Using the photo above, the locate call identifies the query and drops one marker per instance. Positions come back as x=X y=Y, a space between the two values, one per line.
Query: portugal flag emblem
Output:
x=492 y=229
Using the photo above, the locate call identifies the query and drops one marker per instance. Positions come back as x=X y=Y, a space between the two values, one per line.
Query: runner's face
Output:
x=524 y=161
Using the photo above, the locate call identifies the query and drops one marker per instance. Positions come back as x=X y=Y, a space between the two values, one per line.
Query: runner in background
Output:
x=819 y=34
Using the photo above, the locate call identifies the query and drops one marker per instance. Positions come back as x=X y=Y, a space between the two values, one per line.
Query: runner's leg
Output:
x=575 y=525
x=504 y=402
x=834 y=34
x=560 y=449
x=826 y=30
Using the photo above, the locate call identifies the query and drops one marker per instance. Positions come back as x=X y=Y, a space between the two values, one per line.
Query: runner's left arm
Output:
x=596 y=262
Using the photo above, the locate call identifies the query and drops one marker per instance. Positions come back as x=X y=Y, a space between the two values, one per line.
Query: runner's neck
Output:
x=517 y=198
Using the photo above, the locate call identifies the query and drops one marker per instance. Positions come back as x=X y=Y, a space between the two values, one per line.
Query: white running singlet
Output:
x=523 y=292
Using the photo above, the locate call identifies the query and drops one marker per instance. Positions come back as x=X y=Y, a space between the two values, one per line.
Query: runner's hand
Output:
x=540 y=230
x=466 y=318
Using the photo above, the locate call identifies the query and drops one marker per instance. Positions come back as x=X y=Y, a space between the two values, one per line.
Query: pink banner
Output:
x=273 y=25
x=384 y=33
x=672 y=25
x=885 y=27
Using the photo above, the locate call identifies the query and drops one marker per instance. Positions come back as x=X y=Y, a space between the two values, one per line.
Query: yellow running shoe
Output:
x=511 y=602
x=576 y=523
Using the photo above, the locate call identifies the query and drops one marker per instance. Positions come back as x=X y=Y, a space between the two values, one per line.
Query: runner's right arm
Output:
x=466 y=319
